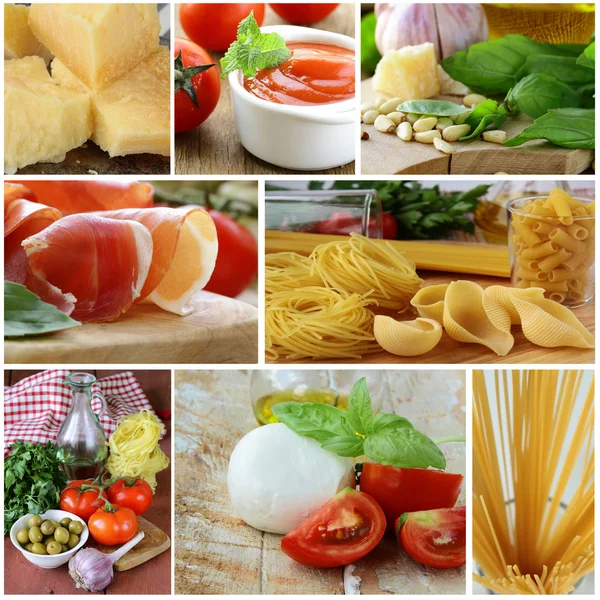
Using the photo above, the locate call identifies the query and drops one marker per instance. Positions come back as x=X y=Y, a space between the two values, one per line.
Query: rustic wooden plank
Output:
x=214 y=147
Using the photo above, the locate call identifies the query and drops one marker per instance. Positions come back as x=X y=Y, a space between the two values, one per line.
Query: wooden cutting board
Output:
x=386 y=154
x=222 y=330
x=155 y=542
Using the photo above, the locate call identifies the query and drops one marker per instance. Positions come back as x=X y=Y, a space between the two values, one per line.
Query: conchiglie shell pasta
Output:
x=429 y=302
x=407 y=338
x=466 y=319
x=504 y=295
x=549 y=324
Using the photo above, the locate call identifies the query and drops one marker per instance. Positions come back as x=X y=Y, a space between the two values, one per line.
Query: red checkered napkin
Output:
x=35 y=407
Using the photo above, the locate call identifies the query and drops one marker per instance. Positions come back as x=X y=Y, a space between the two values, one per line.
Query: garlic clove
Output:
x=407 y=338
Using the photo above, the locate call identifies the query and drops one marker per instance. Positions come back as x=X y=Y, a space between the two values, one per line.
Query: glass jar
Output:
x=554 y=253
x=344 y=380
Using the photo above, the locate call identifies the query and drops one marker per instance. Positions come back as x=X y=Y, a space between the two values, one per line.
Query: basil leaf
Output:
x=344 y=445
x=482 y=116
x=360 y=411
x=565 y=127
x=588 y=57
x=25 y=314
x=405 y=448
x=317 y=421
x=387 y=422
x=563 y=68
x=436 y=108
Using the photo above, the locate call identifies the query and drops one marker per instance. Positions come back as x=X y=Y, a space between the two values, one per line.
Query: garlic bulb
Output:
x=449 y=27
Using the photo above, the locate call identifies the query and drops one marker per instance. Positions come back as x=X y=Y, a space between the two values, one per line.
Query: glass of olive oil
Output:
x=271 y=387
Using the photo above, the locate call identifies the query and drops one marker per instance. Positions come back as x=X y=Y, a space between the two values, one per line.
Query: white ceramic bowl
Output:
x=49 y=561
x=303 y=138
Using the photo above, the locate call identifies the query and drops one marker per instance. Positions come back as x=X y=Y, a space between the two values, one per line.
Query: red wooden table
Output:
x=152 y=577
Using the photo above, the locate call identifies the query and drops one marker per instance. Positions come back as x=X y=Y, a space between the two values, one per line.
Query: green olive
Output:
x=75 y=527
x=55 y=523
x=64 y=522
x=28 y=547
x=23 y=536
x=47 y=528
x=38 y=548
x=61 y=535
x=47 y=539
x=35 y=535
x=34 y=521
x=54 y=547
x=64 y=547
x=73 y=541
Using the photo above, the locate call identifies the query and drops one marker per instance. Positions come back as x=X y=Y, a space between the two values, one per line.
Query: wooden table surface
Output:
x=214 y=147
x=153 y=577
x=217 y=553
x=449 y=351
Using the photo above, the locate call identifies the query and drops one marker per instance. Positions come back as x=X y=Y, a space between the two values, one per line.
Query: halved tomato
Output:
x=407 y=490
x=435 y=538
x=342 y=531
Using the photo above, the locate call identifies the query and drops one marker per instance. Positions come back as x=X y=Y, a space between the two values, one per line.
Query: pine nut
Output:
x=471 y=100
x=370 y=116
x=381 y=100
x=427 y=137
x=443 y=146
x=412 y=118
x=496 y=136
x=396 y=117
x=365 y=106
x=363 y=134
x=405 y=131
x=443 y=123
x=460 y=119
x=455 y=132
x=389 y=106
x=385 y=125
x=425 y=124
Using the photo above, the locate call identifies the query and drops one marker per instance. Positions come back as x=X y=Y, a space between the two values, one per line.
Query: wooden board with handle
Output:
x=386 y=154
x=222 y=330
x=154 y=542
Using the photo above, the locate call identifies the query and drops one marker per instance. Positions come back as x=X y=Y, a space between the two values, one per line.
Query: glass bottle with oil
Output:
x=268 y=388
x=81 y=441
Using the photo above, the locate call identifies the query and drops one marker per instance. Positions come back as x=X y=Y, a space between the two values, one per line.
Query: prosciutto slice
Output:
x=89 y=196
x=91 y=267
x=184 y=255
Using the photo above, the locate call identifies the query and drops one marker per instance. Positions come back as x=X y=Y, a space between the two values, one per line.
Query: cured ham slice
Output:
x=184 y=256
x=90 y=267
x=22 y=218
x=89 y=196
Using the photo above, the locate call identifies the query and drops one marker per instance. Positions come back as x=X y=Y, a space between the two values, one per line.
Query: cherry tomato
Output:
x=303 y=14
x=214 y=26
x=83 y=504
x=407 y=490
x=342 y=531
x=114 y=525
x=206 y=86
x=135 y=494
x=435 y=538
x=237 y=260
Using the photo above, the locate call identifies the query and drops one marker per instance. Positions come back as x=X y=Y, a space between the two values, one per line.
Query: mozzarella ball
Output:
x=277 y=478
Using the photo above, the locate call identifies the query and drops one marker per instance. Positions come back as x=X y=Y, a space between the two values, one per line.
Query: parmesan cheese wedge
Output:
x=19 y=40
x=132 y=115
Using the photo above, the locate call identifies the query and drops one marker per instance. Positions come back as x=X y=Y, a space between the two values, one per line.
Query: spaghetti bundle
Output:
x=529 y=431
x=134 y=449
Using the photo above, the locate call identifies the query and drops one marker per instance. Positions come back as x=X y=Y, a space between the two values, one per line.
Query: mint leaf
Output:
x=344 y=445
x=360 y=411
x=26 y=314
x=253 y=50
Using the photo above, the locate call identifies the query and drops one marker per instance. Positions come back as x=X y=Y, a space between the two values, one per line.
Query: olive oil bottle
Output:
x=263 y=407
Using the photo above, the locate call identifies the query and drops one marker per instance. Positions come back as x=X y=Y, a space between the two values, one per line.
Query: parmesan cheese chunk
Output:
x=409 y=73
x=42 y=121
x=19 y=41
x=97 y=42
x=132 y=115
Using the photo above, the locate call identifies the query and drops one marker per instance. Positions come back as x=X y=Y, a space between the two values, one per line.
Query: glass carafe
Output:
x=81 y=441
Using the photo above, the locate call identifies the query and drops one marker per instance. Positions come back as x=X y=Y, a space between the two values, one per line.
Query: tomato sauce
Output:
x=315 y=74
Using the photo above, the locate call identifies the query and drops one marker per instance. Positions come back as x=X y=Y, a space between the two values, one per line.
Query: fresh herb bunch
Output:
x=388 y=439
x=33 y=481
x=422 y=213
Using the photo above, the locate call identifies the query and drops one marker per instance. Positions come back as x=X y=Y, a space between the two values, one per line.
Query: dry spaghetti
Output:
x=134 y=449
x=288 y=271
x=533 y=439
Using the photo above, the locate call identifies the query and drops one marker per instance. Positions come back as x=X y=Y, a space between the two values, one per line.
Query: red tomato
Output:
x=113 y=526
x=214 y=26
x=206 y=86
x=342 y=531
x=435 y=538
x=82 y=504
x=237 y=260
x=135 y=494
x=407 y=490
x=303 y=14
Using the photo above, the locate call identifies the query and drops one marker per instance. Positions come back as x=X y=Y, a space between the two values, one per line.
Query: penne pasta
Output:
x=564 y=240
x=554 y=260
